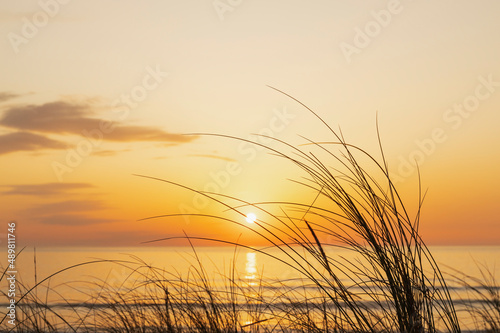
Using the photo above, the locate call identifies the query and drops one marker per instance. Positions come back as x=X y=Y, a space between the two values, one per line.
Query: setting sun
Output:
x=251 y=218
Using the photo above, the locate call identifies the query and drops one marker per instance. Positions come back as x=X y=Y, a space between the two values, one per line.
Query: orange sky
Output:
x=92 y=93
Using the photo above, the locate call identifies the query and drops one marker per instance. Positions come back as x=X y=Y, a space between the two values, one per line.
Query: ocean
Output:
x=81 y=273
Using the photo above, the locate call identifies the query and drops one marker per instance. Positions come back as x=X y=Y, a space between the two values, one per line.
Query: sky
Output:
x=94 y=93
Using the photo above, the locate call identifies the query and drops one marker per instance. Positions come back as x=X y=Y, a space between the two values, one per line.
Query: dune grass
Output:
x=482 y=301
x=364 y=213
x=393 y=284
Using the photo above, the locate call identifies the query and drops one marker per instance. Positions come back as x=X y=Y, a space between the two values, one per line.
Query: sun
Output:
x=250 y=218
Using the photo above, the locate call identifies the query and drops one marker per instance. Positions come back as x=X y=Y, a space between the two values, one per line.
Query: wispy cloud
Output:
x=69 y=212
x=47 y=189
x=61 y=210
x=145 y=133
x=73 y=220
x=214 y=156
x=25 y=141
x=56 y=117
x=64 y=117
x=5 y=96
x=67 y=206
x=105 y=153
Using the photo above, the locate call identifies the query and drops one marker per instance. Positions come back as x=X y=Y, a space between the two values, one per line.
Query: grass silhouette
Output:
x=394 y=270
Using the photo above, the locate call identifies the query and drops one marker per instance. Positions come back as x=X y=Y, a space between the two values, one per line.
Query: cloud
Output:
x=73 y=220
x=67 y=206
x=144 y=133
x=25 y=141
x=63 y=117
x=214 y=156
x=109 y=152
x=76 y=212
x=55 y=117
x=46 y=189
x=69 y=212
x=5 y=96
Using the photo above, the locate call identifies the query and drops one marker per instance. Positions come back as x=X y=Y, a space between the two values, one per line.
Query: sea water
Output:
x=73 y=276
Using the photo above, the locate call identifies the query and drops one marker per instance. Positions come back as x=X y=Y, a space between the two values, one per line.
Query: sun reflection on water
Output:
x=251 y=268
